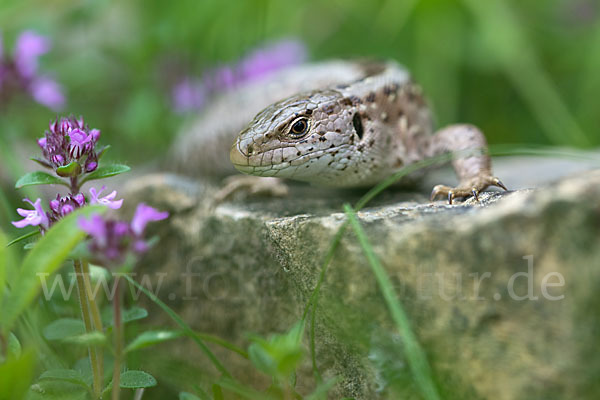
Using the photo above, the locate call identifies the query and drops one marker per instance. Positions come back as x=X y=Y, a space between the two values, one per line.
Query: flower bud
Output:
x=79 y=198
x=57 y=159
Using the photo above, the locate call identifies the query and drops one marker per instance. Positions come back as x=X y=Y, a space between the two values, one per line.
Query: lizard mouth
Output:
x=241 y=162
x=238 y=158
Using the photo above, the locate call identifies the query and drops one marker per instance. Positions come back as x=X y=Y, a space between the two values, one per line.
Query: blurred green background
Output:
x=524 y=71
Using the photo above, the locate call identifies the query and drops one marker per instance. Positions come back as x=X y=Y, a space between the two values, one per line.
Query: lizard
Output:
x=340 y=124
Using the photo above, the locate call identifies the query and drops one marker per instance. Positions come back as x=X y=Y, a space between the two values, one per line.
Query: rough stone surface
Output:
x=258 y=260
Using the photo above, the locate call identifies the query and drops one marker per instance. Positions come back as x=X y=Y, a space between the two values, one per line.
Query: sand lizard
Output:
x=341 y=124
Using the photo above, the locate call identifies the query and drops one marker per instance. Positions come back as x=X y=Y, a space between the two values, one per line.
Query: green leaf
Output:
x=14 y=346
x=133 y=314
x=15 y=376
x=150 y=338
x=320 y=393
x=66 y=375
x=100 y=152
x=63 y=328
x=280 y=355
x=106 y=171
x=48 y=389
x=39 y=178
x=23 y=237
x=262 y=360
x=94 y=338
x=136 y=380
x=41 y=162
x=70 y=170
x=185 y=327
x=46 y=257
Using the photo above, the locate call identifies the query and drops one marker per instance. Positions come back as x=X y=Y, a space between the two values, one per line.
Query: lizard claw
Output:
x=437 y=190
x=498 y=182
x=471 y=187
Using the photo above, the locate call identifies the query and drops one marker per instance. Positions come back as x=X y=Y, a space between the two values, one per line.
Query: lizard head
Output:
x=303 y=137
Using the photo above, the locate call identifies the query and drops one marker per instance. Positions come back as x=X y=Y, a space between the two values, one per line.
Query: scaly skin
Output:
x=358 y=133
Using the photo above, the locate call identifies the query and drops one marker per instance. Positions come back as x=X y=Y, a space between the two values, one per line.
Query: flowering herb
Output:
x=69 y=142
x=69 y=149
x=112 y=241
x=19 y=72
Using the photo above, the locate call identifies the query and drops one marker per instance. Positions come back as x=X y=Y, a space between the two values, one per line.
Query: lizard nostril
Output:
x=250 y=149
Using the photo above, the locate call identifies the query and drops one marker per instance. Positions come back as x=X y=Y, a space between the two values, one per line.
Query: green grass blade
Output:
x=313 y=353
x=23 y=237
x=46 y=257
x=3 y=264
x=223 y=343
x=495 y=150
x=414 y=353
x=185 y=327
x=513 y=52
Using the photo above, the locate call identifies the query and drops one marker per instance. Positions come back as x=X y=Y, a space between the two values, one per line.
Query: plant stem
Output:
x=74 y=185
x=95 y=312
x=85 y=314
x=138 y=394
x=118 y=340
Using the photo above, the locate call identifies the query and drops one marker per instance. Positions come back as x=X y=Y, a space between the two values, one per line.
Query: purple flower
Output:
x=47 y=92
x=224 y=77
x=68 y=140
x=28 y=48
x=19 y=73
x=94 y=133
x=143 y=215
x=188 y=95
x=107 y=200
x=96 y=228
x=91 y=163
x=192 y=94
x=111 y=241
x=79 y=143
x=62 y=206
x=272 y=57
x=35 y=217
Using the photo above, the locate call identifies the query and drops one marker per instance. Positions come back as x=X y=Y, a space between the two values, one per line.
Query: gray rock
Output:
x=481 y=283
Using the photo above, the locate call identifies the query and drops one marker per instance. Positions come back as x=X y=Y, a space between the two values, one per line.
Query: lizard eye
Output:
x=299 y=127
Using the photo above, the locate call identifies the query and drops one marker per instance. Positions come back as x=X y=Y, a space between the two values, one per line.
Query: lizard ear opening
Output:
x=357 y=125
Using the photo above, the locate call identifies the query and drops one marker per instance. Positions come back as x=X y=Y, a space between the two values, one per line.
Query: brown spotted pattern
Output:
x=358 y=133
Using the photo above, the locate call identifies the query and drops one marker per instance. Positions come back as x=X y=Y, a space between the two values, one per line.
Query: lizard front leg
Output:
x=474 y=169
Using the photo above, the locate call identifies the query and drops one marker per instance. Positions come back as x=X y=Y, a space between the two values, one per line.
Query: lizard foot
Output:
x=471 y=187
x=251 y=186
